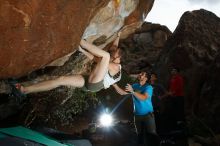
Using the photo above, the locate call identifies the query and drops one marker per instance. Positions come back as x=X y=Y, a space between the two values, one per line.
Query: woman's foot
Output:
x=20 y=88
x=17 y=89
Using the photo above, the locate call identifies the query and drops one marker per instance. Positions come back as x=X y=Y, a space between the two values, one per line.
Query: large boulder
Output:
x=194 y=47
x=37 y=32
x=142 y=48
x=34 y=33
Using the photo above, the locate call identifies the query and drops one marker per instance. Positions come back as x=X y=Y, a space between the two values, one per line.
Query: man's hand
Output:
x=129 y=88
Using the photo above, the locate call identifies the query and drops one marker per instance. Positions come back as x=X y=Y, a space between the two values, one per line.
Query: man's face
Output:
x=153 y=77
x=173 y=71
x=142 y=76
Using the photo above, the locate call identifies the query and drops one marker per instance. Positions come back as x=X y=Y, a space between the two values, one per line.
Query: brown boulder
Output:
x=34 y=33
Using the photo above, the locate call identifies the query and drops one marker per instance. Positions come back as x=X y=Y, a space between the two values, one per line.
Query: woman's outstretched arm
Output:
x=119 y=90
x=116 y=41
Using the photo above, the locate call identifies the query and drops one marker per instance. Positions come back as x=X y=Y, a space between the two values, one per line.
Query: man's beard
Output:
x=142 y=80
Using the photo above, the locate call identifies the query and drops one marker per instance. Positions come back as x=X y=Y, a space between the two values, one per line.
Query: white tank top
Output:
x=109 y=80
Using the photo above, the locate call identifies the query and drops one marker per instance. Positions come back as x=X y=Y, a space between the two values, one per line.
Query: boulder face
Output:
x=194 y=47
x=34 y=33
x=37 y=32
x=142 y=48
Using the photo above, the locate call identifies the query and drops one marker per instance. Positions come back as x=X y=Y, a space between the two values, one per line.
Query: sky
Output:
x=168 y=12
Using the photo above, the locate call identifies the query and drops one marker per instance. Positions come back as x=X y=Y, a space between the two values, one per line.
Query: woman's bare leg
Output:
x=93 y=49
x=102 y=67
x=74 y=80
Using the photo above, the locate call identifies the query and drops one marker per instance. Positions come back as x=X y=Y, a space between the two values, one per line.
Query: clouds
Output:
x=167 y=12
x=211 y=2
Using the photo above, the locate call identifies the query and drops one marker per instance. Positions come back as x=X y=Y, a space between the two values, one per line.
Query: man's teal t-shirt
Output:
x=142 y=107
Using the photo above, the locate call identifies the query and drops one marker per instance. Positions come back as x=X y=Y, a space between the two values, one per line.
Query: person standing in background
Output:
x=176 y=92
x=158 y=93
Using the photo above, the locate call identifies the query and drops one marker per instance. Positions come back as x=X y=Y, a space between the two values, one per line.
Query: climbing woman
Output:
x=106 y=72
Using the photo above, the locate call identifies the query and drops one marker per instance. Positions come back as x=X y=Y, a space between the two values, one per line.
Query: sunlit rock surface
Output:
x=35 y=33
x=194 y=47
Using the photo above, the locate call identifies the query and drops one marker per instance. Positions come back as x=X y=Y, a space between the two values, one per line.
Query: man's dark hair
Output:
x=176 y=68
x=154 y=73
x=147 y=74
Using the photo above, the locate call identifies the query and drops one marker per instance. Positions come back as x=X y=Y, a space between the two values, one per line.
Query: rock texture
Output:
x=34 y=33
x=194 y=47
x=37 y=32
x=142 y=48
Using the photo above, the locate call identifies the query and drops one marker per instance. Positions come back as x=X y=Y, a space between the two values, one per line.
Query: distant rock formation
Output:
x=142 y=48
x=194 y=47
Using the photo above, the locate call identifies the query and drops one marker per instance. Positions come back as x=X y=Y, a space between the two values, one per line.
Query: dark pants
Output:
x=177 y=103
x=146 y=130
x=157 y=118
